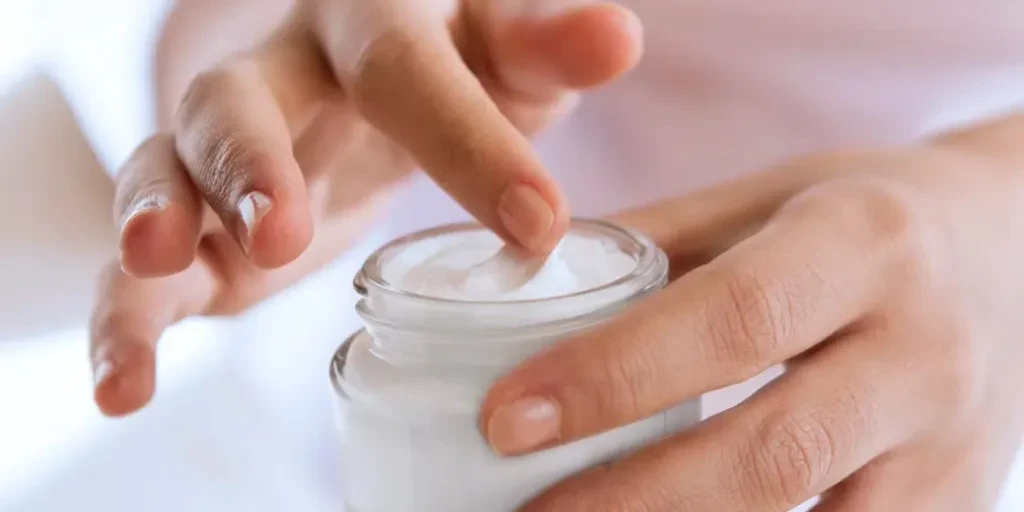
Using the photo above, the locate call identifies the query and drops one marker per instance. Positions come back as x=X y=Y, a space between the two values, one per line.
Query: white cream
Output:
x=409 y=386
x=463 y=266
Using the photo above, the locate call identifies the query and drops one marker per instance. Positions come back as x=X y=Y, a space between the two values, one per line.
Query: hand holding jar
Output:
x=888 y=282
x=280 y=156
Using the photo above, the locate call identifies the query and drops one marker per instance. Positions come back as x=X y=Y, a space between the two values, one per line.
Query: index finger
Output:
x=397 y=62
x=799 y=436
x=818 y=267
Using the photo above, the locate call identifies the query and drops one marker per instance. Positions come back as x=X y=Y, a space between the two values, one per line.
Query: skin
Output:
x=888 y=282
x=279 y=156
x=885 y=279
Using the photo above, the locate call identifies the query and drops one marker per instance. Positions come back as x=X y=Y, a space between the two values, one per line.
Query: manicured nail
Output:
x=633 y=26
x=538 y=9
x=525 y=214
x=523 y=425
x=251 y=210
x=103 y=370
x=140 y=207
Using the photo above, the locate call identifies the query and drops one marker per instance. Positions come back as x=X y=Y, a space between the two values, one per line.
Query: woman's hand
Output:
x=890 y=283
x=279 y=156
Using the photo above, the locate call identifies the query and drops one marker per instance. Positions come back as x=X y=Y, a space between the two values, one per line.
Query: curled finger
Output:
x=775 y=295
x=235 y=131
x=158 y=211
x=804 y=433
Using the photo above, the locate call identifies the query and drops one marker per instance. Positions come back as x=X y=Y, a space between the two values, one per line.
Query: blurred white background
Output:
x=209 y=443
x=234 y=426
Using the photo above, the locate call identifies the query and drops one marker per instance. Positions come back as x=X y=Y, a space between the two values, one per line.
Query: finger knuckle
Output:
x=142 y=185
x=225 y=167
x=242 y=285
x=393 y=48
x=155 y=147
x=108 y=319
x=201 y=91
x=752 y=320
x=883 y=212
x=791 y=457
x=215 y=151
x=134 y=178
x=881 y=215
x=154 y=144
x=633 y=373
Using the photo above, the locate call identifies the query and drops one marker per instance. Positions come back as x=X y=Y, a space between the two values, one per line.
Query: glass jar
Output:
x=409 y=385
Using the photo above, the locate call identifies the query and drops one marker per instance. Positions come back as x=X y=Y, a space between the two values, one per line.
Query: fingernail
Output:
x=523 y=425
x=140 y=207
x=525 y=214
x=103 y=370
x=251 y=209
x=632 y=25
x=538 y=9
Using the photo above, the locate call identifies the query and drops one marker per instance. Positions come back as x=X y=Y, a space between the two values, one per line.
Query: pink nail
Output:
x=103 y=370
x=537 y=9
x=140 y=206
x=251 y=210
x=526 y=215
x=523 y=425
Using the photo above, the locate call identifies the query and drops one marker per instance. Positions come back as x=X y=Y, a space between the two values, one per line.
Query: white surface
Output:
x=19 y=41
x=52 y=419
x=201 y=447
x=233 y=427
x=475 y=266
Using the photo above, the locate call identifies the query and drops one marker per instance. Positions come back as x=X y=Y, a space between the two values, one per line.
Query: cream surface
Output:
x=474 y=267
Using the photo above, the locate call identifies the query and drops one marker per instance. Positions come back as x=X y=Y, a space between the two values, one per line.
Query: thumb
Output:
x=129 y=317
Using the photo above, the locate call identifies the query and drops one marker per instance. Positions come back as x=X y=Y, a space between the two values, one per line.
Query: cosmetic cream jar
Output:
x=409 y=385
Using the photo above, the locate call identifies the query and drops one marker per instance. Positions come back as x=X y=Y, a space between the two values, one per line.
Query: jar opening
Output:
x=458 y=247
x=408 y=324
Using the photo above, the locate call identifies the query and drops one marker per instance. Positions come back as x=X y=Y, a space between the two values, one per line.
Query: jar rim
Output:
x=408 y=327
x=370 y=277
